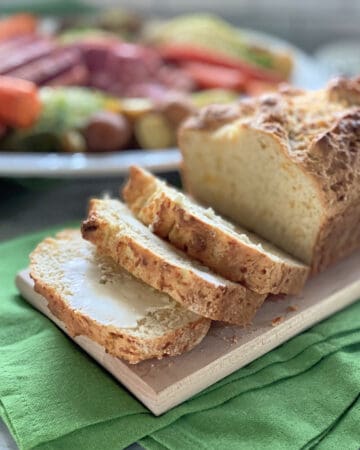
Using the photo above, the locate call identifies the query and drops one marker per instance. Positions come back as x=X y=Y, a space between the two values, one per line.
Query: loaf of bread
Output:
x=285 y=165
x=116 y=232
x=228 y=250
x=94 y=297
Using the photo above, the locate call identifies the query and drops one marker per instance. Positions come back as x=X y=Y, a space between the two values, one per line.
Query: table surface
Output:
x=30 y=206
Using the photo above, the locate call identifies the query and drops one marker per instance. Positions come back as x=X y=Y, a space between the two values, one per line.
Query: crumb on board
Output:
x=277 y=321
x=292 y=308
x=232 y=339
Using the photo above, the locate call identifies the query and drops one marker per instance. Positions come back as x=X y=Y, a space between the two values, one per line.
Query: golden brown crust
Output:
x=345 y=90
x=320 y=133
x=228 y=302
x=213 y=117
x=213 y=246
x=116 y=341
x=333 y=159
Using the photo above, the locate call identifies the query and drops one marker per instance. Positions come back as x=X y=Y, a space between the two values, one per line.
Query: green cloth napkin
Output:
x=53 y=396
x=53 y=7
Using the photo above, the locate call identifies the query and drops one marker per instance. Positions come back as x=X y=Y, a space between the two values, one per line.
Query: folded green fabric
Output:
x=53 y=7
x=53 y=396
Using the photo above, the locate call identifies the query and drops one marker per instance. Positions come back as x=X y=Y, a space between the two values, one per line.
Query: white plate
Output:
x=60 y=165
x=307 y=74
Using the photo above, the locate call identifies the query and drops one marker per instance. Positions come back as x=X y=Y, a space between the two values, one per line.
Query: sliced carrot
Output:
x=17 y=25
x=189 y=52
x=208 y=76
x=20 y=104
x=257 y=87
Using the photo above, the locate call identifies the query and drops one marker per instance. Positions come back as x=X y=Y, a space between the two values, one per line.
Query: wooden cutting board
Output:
x=161 y=385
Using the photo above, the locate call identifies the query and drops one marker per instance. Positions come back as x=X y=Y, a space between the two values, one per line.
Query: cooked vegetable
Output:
x=205 y=38
x=205 y=30
x=76 y=35
x=257 y=87
x=73 y=142
x=208 y=33
x=208 y=96
x=3 y=131
x=107 y=131
x=177 y=110
x=66 y=108
x=17 y=25
x=281 y=60
x=136 y=107
x=36 y=142
x=192 y=52
x=153 y=130
x=19 y=102
x=63 y=109
x=208 y=76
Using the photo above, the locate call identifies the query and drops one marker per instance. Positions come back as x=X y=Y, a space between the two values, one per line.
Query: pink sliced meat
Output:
x=95 y=53
x=101 y=80
x=8 y=46
x=152 y=90
x=25 y=54
x=75 y=76
x=45 y=69
x=134 y=63
x=175 y=78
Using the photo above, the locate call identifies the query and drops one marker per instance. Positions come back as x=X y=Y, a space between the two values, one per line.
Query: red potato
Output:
x=107 y=131
x=176 y=110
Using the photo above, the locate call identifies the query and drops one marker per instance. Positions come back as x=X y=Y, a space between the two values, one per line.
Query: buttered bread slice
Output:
x=113 y=228
x=230 y=251
x=94 y=297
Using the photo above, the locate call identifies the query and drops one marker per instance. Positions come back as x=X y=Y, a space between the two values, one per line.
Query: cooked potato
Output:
x=136 y=107
x=73 y=142
x=107 y=131
x=177 y=110
x=209 y=96
x=153 y=130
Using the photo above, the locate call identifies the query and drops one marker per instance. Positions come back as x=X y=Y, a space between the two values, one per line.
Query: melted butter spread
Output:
x=111 y=298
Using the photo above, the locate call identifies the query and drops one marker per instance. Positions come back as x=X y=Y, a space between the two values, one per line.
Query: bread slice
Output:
x=96 y=298
x=228 y=250
x=285 y=165
x=113 y=228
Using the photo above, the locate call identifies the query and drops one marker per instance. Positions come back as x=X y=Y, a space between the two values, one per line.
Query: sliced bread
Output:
x=113 y=228
x=96 y=298
x=230 y=251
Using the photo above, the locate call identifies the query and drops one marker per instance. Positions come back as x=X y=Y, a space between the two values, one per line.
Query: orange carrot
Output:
x=20 y=104
x=257 y=87
x=209 y=76
x=17 y=25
